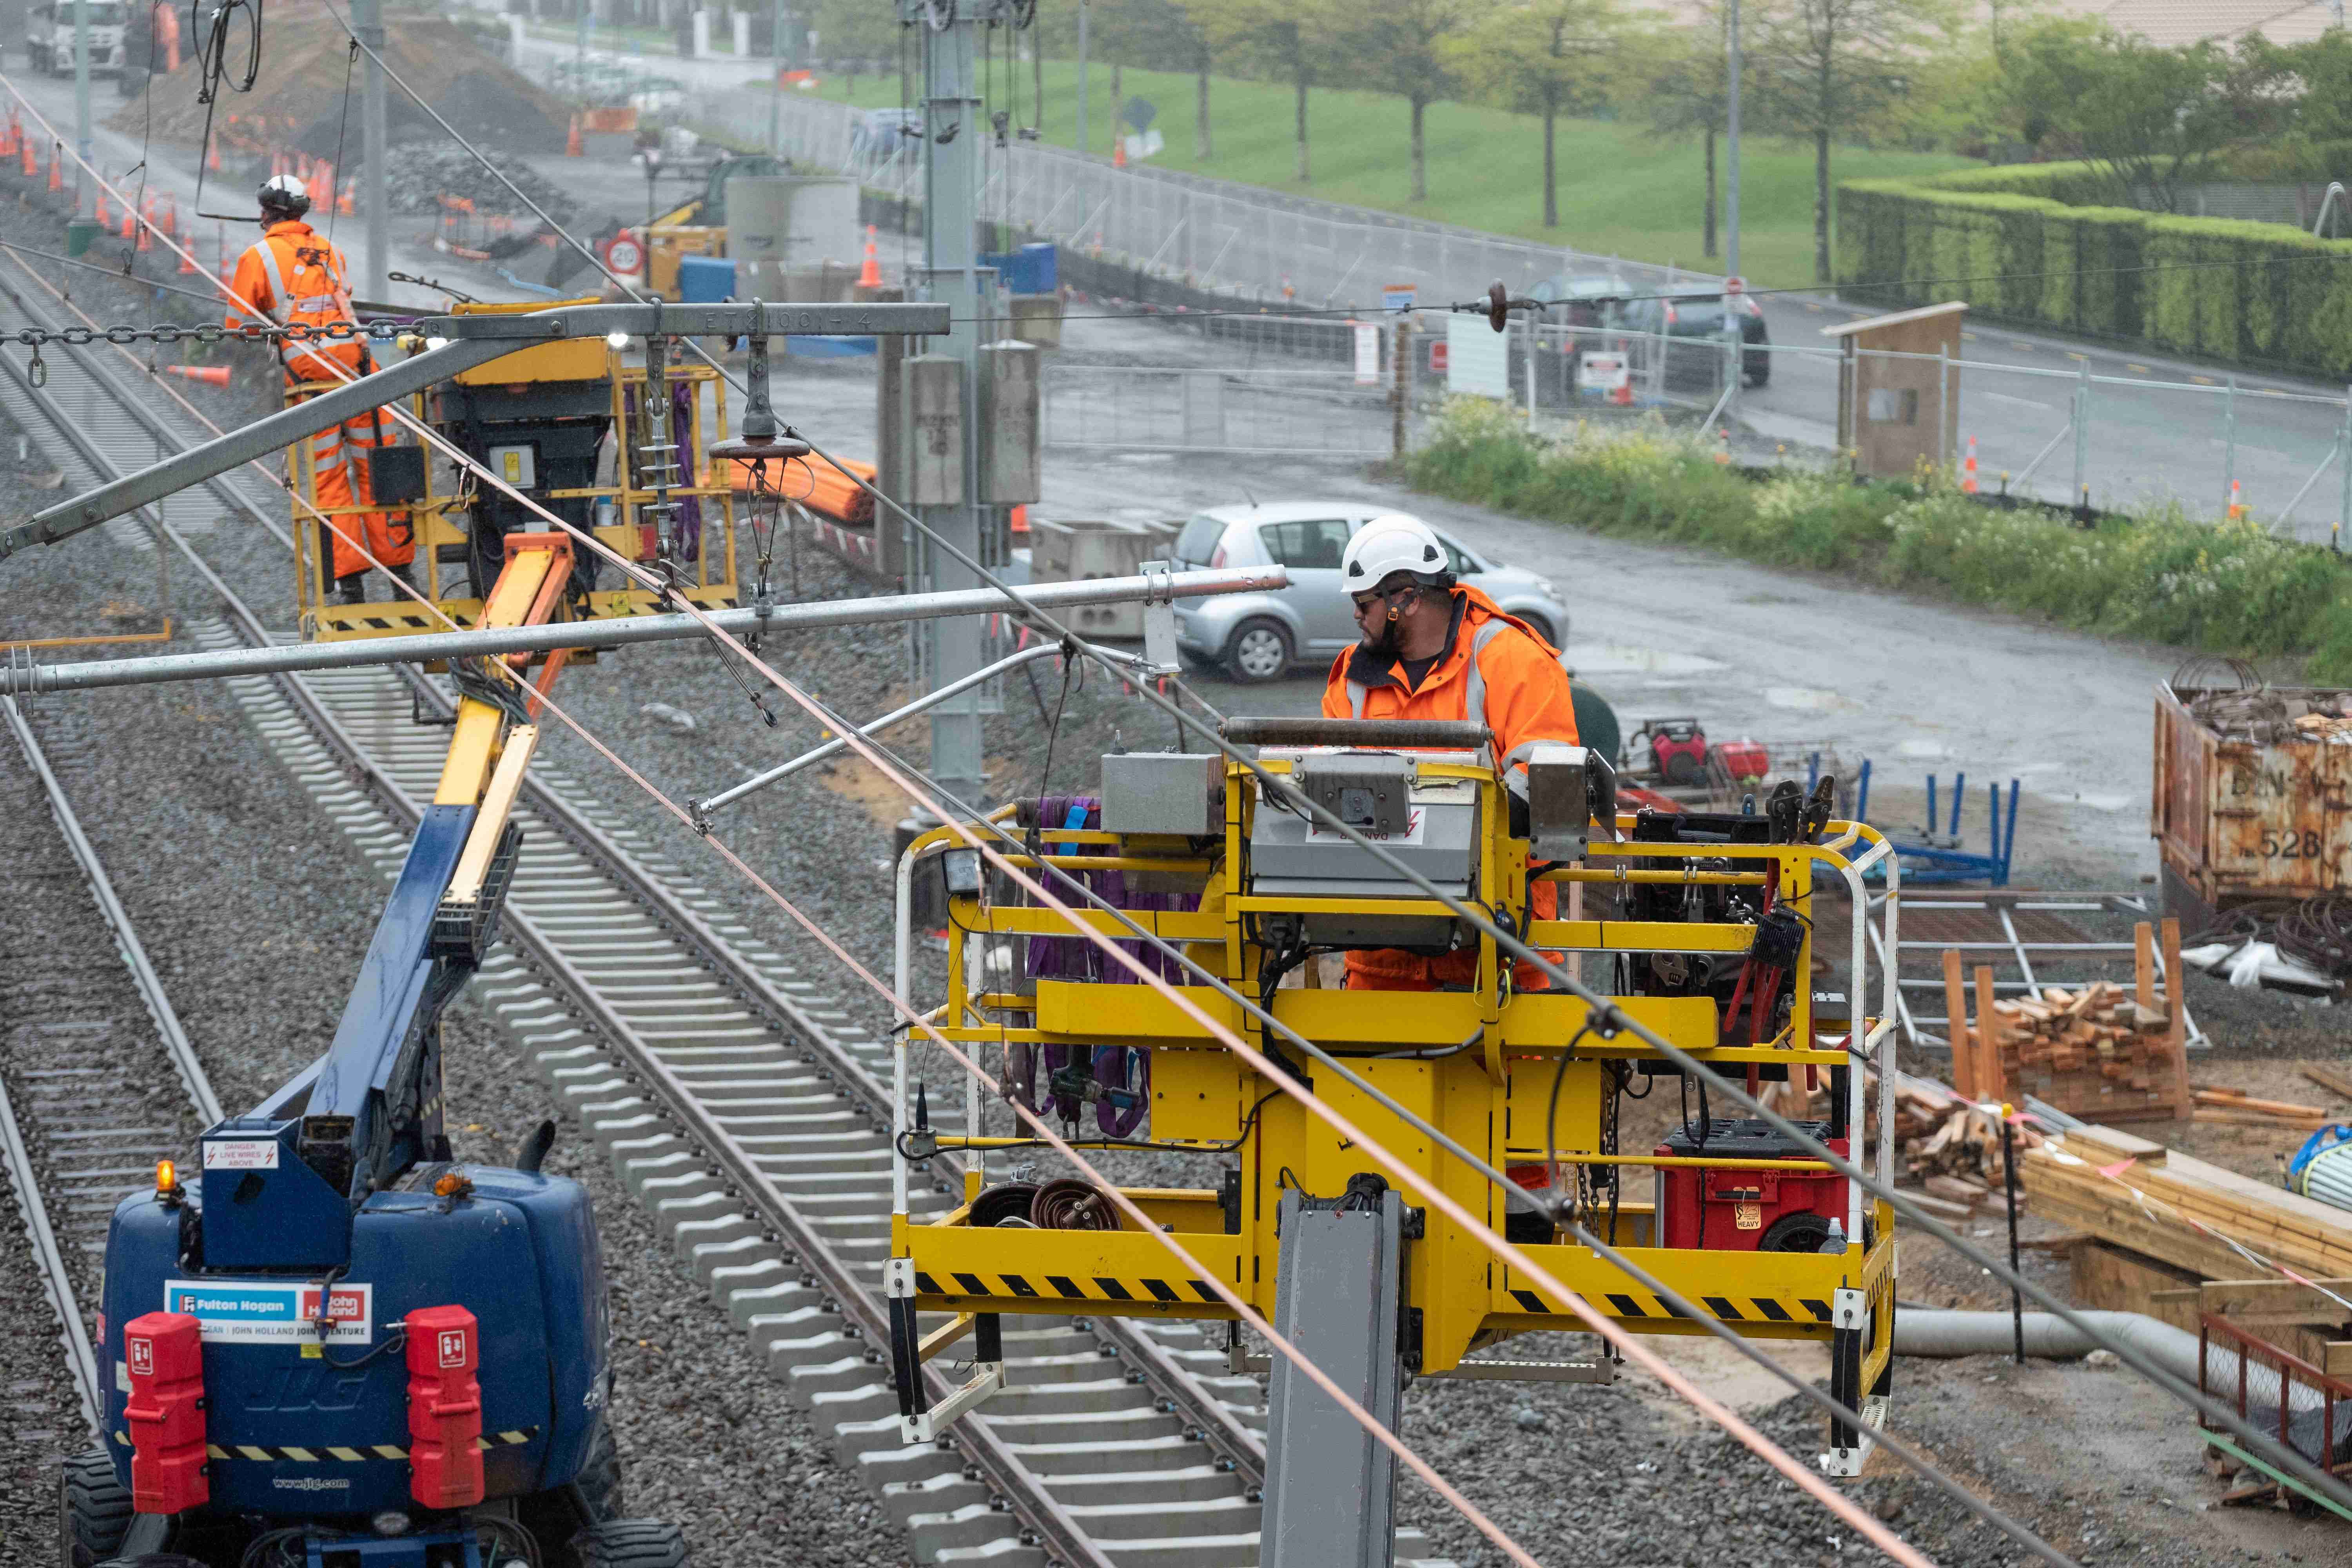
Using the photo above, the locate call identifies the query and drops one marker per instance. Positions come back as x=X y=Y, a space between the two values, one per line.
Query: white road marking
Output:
x=2037 y=405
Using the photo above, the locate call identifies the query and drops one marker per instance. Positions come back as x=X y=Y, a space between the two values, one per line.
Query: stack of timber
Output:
x=1950 y=1148
x=2101 y=1053
x=2064 y=1176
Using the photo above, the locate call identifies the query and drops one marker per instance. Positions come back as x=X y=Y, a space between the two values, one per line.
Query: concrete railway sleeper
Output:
x=737 y=1104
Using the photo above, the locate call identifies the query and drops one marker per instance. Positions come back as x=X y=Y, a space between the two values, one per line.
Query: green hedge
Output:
x=2254 y=293
x=2227 y=588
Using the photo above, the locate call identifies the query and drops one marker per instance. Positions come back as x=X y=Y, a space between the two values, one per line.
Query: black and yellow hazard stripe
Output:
x=1729 y=1310
x=333 y=1454
x=1146 y=1290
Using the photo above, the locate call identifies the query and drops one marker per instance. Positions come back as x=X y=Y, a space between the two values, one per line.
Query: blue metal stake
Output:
x=1960 y=784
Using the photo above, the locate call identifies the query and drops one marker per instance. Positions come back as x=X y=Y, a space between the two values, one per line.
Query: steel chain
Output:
x=206 y=333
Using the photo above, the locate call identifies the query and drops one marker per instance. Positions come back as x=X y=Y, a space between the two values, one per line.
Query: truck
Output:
x=49 y=36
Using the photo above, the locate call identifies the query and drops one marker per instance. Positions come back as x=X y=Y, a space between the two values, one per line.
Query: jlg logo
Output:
x=452 y=1347
x=142 y=1358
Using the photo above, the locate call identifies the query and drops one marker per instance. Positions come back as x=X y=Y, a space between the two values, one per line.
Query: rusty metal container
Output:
x=2249 y=798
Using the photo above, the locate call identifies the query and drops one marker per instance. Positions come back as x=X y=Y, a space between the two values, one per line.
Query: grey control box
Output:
x=1163 y=792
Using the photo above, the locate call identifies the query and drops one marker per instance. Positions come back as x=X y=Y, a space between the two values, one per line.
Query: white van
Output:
x=49 y=36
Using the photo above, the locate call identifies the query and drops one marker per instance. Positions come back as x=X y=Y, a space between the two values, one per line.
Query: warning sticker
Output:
x=265 y=1311
x=241 y=1155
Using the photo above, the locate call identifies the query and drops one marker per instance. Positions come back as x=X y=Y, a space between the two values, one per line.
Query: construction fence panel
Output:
x=1137 y=408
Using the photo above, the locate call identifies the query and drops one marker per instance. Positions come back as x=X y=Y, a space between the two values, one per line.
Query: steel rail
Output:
x=126 y=938
x=1032 y=1504
x=81 y=1361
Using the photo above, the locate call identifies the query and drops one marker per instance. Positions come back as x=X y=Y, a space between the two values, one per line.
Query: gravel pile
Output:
x=420 y=173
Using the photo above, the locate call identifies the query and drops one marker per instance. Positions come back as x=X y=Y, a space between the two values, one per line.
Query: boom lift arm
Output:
x=371 y=1107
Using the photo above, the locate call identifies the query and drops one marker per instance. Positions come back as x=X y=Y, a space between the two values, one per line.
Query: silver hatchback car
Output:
x=1258 y=637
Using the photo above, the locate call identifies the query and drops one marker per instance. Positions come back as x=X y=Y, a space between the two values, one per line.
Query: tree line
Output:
x=1921 y=73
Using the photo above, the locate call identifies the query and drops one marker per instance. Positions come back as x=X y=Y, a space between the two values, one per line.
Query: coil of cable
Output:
x=2318 y=931
x=1010 y=1201
x=1072 y=1205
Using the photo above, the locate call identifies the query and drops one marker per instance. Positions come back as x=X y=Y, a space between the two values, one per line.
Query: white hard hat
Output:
x=1394 y=542
x=284 y=191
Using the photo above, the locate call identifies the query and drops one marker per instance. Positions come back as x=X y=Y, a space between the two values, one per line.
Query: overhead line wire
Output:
x=1511 y=1190
x=1414 y=1461
x=1770 y=1452
x=1614 y=1017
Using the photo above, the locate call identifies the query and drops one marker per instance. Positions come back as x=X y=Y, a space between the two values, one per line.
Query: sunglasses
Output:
x=1401 y=598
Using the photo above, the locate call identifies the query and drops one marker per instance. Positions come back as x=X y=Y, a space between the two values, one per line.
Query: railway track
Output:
x=737 y=1103
x=97 y=1081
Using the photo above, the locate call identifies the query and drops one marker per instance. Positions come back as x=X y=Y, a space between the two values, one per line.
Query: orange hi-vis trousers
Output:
x=339 y=478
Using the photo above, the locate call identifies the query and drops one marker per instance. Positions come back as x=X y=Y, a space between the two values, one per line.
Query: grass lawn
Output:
x=1621 y=191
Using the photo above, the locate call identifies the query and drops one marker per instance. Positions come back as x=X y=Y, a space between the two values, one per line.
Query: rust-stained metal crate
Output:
x=2259 y=811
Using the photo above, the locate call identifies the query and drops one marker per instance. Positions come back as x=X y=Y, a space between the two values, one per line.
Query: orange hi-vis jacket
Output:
x=1495 y=669
x=293 y=276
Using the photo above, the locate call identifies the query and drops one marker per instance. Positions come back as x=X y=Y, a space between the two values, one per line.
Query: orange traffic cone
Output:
x=571 y=146
x=131 y=223
x=210 y=374
x=188 y=259
x=32 y=162
x=212 y=155
x=1722 y=446
x=105 y=219
x=870 y=274
x=1118 y=151
x=2237 y=507
x=57 y=168
x=143 y=245
x=9 y=139
x=1969 y=470
x=1623 y=395
x=344 y=203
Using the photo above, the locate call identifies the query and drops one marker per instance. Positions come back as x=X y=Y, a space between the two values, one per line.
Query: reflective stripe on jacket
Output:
x=1497 y=668
x=293 y=276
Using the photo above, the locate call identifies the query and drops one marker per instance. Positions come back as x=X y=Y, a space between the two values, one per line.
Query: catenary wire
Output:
x=1909 y=1457
x=1476 y=919
x=1420 y=1467
x=1509 y=942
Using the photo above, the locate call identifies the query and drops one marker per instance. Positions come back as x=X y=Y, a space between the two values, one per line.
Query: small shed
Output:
x=1897 y=411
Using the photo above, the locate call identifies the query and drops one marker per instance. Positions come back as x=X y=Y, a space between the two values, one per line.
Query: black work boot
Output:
x=353 y=589
x=403 y=574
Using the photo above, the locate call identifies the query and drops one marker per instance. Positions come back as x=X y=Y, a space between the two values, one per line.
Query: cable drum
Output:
x=1010 y=1201
x=1072 y=1205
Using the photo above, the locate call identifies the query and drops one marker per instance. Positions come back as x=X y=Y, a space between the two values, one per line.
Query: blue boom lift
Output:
x=338 y=1347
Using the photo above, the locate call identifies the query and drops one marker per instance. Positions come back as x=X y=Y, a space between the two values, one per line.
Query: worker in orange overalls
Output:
x=294 y=276
x=1434 y=648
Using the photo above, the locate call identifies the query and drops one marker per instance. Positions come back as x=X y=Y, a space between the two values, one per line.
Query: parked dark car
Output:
x=1700 y=313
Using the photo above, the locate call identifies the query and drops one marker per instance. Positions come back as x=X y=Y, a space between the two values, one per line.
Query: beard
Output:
x=1381 y=643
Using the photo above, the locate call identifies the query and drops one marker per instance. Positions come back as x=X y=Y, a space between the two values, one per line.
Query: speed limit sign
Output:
x=624 y=253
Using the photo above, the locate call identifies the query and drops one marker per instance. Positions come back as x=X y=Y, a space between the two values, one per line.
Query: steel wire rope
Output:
x=1910 y=1457
x=1772 y=1453
x=1614 y=1019
x=1414 y=1461
x=1420 y=1467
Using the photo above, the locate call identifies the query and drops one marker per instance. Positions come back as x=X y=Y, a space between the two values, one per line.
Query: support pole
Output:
x=81 y=105
x=952 y=144
x=1084 y=145
x=2083 y=437
x=2229 y=444
x=2344 y=501
x=1400 y=396
x=1330 y=1487
x=367 y=26
x=776 y=80
x=1731 y=137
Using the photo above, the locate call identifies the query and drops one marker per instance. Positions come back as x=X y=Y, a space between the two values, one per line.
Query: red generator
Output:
x=1678 y=748
x=1749 y=1211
